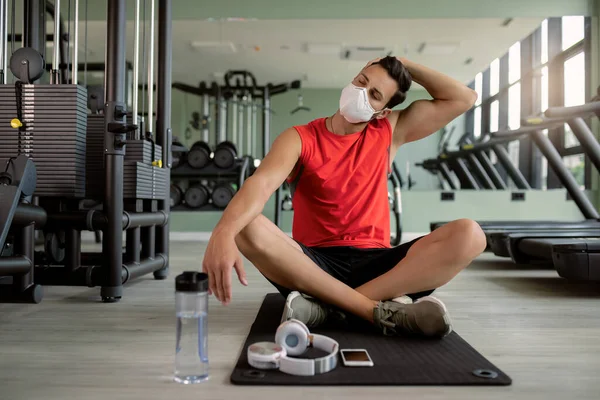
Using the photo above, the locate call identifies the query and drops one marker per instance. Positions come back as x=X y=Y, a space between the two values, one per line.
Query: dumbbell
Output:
x=225 y=154
x=222 y=194
x=199 y=155
x=54 y=245
x=178 y=152
x=176 y=195
x=196 y=196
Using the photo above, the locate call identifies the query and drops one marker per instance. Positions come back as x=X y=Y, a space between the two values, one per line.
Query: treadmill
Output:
x=473 y=156
x=574 y=258
x=554 y=117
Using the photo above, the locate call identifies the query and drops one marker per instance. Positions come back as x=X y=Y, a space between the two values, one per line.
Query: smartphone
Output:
x=356 y=358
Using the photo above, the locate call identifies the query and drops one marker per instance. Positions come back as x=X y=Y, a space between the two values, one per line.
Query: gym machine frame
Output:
x=475 y=157
x=242 y=167
x=113 y=271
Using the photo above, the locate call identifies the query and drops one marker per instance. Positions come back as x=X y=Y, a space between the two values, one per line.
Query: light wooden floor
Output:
x=539 y=329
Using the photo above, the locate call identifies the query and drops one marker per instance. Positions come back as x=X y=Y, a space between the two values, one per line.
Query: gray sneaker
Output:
x=313 y=312
x=309 y=310
x=426 y=317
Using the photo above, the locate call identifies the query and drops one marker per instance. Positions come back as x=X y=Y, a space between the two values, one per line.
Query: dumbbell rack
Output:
x=185 y=174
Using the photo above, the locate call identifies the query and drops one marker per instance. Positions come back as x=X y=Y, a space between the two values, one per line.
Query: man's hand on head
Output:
x=372 y=62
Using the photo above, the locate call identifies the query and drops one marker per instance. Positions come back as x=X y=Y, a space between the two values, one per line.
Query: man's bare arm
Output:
x=250 y=200
x=451 y=98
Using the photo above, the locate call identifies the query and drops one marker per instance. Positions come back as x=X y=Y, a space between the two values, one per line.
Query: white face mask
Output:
x=354 y=104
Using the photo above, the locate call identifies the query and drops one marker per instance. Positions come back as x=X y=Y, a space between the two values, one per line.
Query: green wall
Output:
x=421 y=205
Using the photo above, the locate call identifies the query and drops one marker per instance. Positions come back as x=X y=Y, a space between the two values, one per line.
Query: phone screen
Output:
x=356 y=355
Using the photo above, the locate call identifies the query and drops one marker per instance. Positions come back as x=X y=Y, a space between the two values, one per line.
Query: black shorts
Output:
x=354 y=266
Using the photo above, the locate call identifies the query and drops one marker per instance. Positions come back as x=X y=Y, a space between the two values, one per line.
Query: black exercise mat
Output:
x=397 y=360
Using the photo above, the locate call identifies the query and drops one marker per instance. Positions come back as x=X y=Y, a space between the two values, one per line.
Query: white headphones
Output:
x=293 y=338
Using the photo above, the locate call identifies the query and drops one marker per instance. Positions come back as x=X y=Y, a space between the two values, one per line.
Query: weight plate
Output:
x=199 y=155
x=176 y=195
x=54 y=244
x=225 y=155
x=222 y=195
x=196 y=196
x=27 y=64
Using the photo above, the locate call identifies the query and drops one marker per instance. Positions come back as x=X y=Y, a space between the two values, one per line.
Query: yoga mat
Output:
x=397 y=360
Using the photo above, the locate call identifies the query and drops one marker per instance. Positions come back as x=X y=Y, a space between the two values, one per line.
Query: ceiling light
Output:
x=438 y=49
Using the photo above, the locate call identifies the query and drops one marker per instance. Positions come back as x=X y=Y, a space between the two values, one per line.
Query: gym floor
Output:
x=539 y=329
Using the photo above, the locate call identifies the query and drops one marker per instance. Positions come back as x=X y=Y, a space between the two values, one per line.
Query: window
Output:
x=545 y=167
x=514 y=106
x=479 y=87
x=544 y=89
x=513 y=152
x=574 y=82
x=573 y=31
x=514 y=63
x=495 y=77
x=477 y=122
x=544 y=32
x=574 y=90
x=494 y=115
x=576 y=164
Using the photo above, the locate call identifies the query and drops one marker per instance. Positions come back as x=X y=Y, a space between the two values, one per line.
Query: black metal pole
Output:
x=114 y=143
x=72 y=249
x=24 y=246
x=590 y=145
x=133 y=244
x=25 y=214
x=14 y=265
x=33 y=30
x=266 y=120
x=31 y=24
x=480 y=174
x=135 y=270
x=92 y=276
x=94 y=220
x=467 y=181
x=148 y=236
x=564 y=175
x=63 y=44
x=447 y=174
x=163 y=124
x=491 y=170
x=510 y=168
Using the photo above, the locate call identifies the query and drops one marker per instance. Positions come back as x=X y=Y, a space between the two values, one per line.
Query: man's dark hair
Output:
x=399 y=73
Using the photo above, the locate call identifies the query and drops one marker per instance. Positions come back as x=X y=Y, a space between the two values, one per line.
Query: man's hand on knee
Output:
x=221 y=256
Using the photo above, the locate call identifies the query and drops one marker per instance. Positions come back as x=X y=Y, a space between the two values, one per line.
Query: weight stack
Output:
x=53 y=135
x=94 y=163
x=141 y=151
x=143 y=181
x=161 y=181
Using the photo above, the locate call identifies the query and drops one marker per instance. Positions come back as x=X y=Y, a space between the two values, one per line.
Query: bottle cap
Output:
x=191 y=281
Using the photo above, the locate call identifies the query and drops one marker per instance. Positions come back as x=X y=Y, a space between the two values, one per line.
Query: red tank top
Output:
x=340 y=186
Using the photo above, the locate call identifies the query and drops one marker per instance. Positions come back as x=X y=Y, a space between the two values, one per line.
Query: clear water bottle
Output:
x=191 y=351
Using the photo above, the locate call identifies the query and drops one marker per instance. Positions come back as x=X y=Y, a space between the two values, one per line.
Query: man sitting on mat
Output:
x=339 y=263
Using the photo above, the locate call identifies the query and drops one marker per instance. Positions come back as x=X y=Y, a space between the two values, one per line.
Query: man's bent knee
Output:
x=471 y=236
x=246 y=240
x=261 y=235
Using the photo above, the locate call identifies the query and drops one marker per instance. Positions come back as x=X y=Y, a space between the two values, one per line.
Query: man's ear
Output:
x=384 y=113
